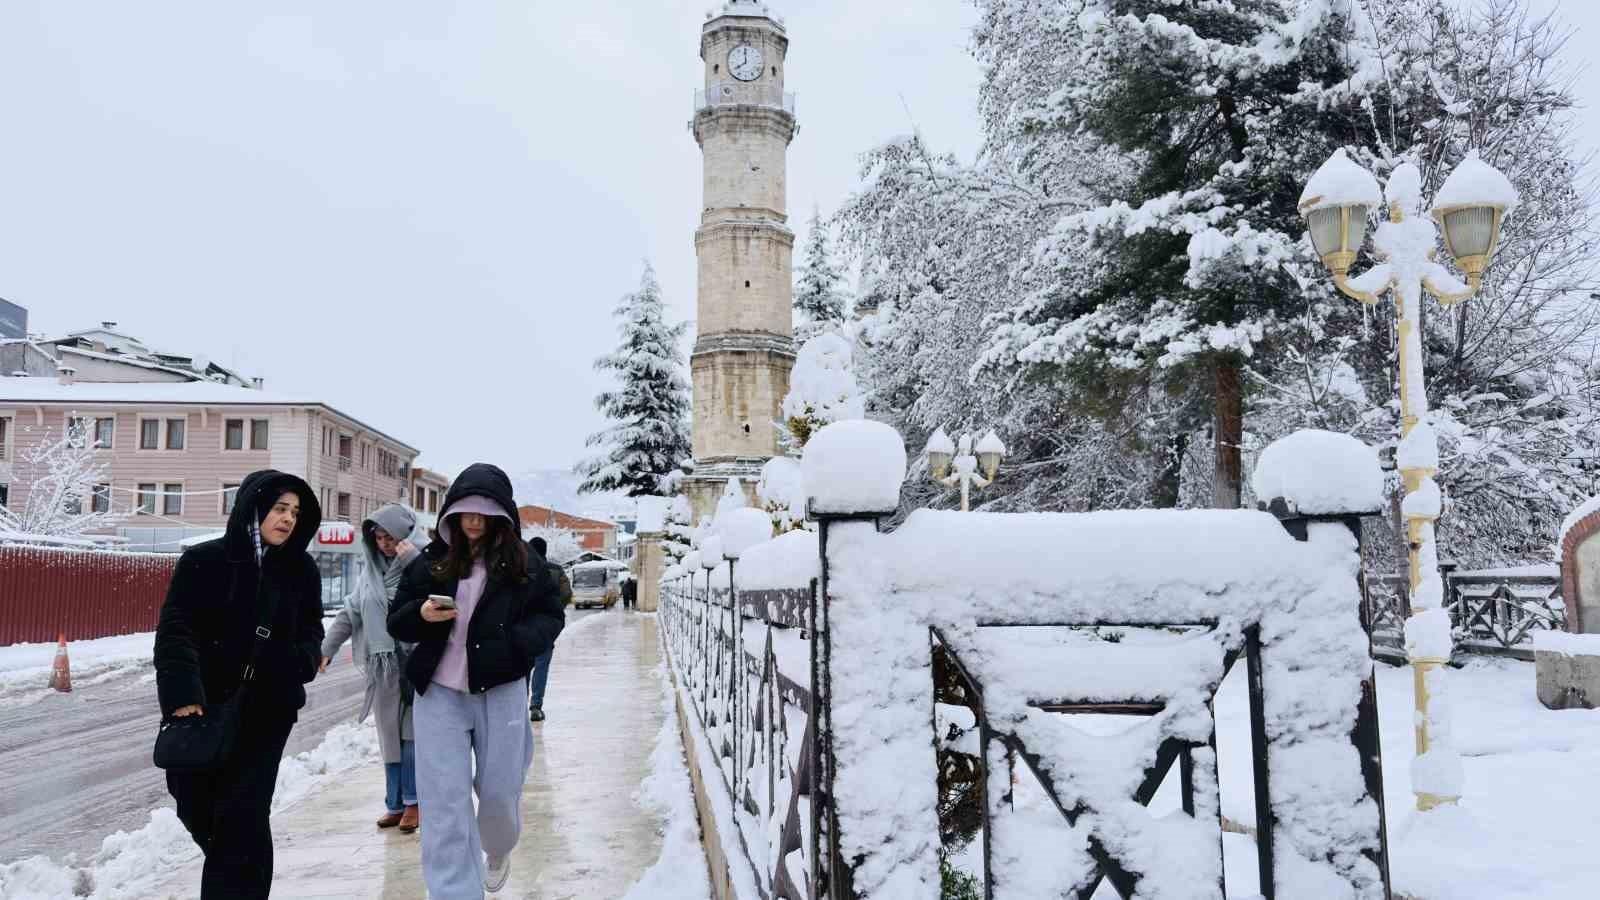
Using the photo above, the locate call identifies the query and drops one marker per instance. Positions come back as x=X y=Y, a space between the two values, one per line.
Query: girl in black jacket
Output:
x=498 y=612
x=215 y=604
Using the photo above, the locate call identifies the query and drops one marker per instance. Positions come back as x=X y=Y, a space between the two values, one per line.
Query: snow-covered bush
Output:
x=562 y=545
x=822 y=388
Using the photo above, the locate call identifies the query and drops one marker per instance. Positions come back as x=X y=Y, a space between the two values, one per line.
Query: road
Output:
x=76 y=767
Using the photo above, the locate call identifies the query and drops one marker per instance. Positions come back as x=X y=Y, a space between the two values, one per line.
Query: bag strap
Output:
x=269 y=611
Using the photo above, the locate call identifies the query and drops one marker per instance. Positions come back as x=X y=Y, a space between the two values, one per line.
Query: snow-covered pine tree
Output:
x=65 y=494
x=649 y=412
x=820 y=296
x=1190 y=260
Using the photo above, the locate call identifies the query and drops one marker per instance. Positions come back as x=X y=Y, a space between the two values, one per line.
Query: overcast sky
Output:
x=421 y=212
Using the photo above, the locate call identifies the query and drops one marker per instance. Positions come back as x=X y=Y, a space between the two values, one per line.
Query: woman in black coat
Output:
x=480 y=608
x=218 y=599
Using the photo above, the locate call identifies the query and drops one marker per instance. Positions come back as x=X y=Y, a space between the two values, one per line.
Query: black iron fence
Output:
x=1492 y=611
x=746 y=662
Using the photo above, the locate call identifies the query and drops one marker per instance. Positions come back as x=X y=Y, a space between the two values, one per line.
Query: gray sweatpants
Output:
x=451 y=729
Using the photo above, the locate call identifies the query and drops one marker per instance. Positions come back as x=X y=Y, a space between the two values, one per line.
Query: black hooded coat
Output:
x=514 y=622
x=215 y=602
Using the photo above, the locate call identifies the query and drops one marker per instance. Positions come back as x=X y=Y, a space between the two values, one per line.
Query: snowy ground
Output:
x=25 y=668
x=129 y=864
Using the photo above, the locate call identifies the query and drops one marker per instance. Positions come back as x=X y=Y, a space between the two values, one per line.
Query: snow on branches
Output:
x=68 y=485
x=820 y=295
x=649 y=434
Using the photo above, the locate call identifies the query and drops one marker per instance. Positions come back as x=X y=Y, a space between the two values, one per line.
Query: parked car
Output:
x=596 y=583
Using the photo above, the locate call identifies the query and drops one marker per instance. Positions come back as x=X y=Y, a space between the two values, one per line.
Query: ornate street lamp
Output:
x=945 y=455
x=1470 y=206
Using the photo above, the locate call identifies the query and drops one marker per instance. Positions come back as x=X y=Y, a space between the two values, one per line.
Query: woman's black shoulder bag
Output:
x=204 y=743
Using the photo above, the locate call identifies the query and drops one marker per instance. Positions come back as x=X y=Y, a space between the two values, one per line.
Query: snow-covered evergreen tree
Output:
x=649 y=434
x=820 y=295
x=64 y=473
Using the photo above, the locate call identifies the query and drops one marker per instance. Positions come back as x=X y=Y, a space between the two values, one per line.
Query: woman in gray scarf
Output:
x=386 y=551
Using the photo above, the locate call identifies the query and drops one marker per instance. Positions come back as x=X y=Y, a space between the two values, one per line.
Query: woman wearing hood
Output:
x=211 y=628
x=480 y=608
x=386 y=551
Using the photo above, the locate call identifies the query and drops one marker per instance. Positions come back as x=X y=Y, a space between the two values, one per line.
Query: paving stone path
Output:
x=583 y=838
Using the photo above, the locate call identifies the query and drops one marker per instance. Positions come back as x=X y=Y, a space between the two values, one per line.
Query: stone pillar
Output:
x=651 y=562
x=1580 y=574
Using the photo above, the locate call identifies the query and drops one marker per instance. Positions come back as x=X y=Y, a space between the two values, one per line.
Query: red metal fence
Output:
x=46 y=591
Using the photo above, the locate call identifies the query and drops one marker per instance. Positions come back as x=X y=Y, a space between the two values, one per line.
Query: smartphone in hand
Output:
x=440 y=601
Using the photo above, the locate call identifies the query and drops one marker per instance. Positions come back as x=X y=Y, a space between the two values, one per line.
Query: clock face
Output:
x=745 y=62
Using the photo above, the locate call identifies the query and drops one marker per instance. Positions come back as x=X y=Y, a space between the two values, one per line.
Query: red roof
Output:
x=555 y=518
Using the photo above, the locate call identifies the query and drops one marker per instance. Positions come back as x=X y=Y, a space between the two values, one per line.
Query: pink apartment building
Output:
x=176 y=450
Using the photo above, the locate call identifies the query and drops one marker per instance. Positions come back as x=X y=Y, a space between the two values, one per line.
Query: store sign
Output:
x=336 y=534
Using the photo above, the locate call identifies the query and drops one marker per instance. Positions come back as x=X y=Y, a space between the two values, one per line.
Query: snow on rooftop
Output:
x=1340 y=182
x=51 y=390
x=1320 y=472
x=1476 y=183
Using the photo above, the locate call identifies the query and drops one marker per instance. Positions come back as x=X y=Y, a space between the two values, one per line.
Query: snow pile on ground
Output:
x=680 y=872
x=1320 y=472
x=129 y=863
x=25 y=668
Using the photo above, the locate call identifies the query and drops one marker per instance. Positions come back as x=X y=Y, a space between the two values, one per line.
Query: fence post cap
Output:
x=854 y=468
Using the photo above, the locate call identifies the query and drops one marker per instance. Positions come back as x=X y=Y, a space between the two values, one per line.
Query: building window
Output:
x=233 y=434
x=149 y=434
x=344 y=506
x=433 y=500
x=5 y=490
x=258 y=434
x=101 y=501
x=172 y=500
x=98 y=431
x=345 y=449
x=147 y=499
x=175 y=433
x=417 y=496
x=5 y=435
x=230 y=493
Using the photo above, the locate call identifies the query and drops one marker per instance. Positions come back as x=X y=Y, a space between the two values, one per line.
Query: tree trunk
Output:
x=1169 y=473
x=1229 y=435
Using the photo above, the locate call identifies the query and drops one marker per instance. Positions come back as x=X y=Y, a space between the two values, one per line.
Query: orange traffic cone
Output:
x=61 y=672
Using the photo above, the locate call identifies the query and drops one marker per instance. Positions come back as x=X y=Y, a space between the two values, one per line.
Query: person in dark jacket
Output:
x=630 y=591
x=472 y=658
x=216 y=601
x=541 y=666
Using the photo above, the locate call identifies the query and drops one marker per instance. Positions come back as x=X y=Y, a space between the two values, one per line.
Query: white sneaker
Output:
x=499 y=871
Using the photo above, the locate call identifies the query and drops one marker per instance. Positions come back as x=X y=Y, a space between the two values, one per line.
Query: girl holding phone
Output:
x=469 y=669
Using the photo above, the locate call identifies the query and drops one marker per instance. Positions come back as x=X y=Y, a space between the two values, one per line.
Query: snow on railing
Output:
x=739 y=93
x=1001 y=625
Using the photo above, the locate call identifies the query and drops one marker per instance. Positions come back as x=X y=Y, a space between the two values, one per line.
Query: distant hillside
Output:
x=558 y=489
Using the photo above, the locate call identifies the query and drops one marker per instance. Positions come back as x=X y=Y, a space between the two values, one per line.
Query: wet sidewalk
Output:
x=583 y=836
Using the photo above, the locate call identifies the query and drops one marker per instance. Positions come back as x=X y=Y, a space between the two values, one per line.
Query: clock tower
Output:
x=744 y=347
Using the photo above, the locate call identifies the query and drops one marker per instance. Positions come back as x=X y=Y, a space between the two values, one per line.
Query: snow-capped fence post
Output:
x=853 y=471
x=1317 y=483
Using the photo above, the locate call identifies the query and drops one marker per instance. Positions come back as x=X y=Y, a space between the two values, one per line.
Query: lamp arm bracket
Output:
x=1368 y=285
x=1447 y=288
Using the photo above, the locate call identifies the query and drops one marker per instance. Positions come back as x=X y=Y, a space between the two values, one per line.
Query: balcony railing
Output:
x=739 y=93
x=344 y=463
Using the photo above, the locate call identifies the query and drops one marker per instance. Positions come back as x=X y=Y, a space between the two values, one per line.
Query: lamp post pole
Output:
x=1470 y=206
x=954 y=465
